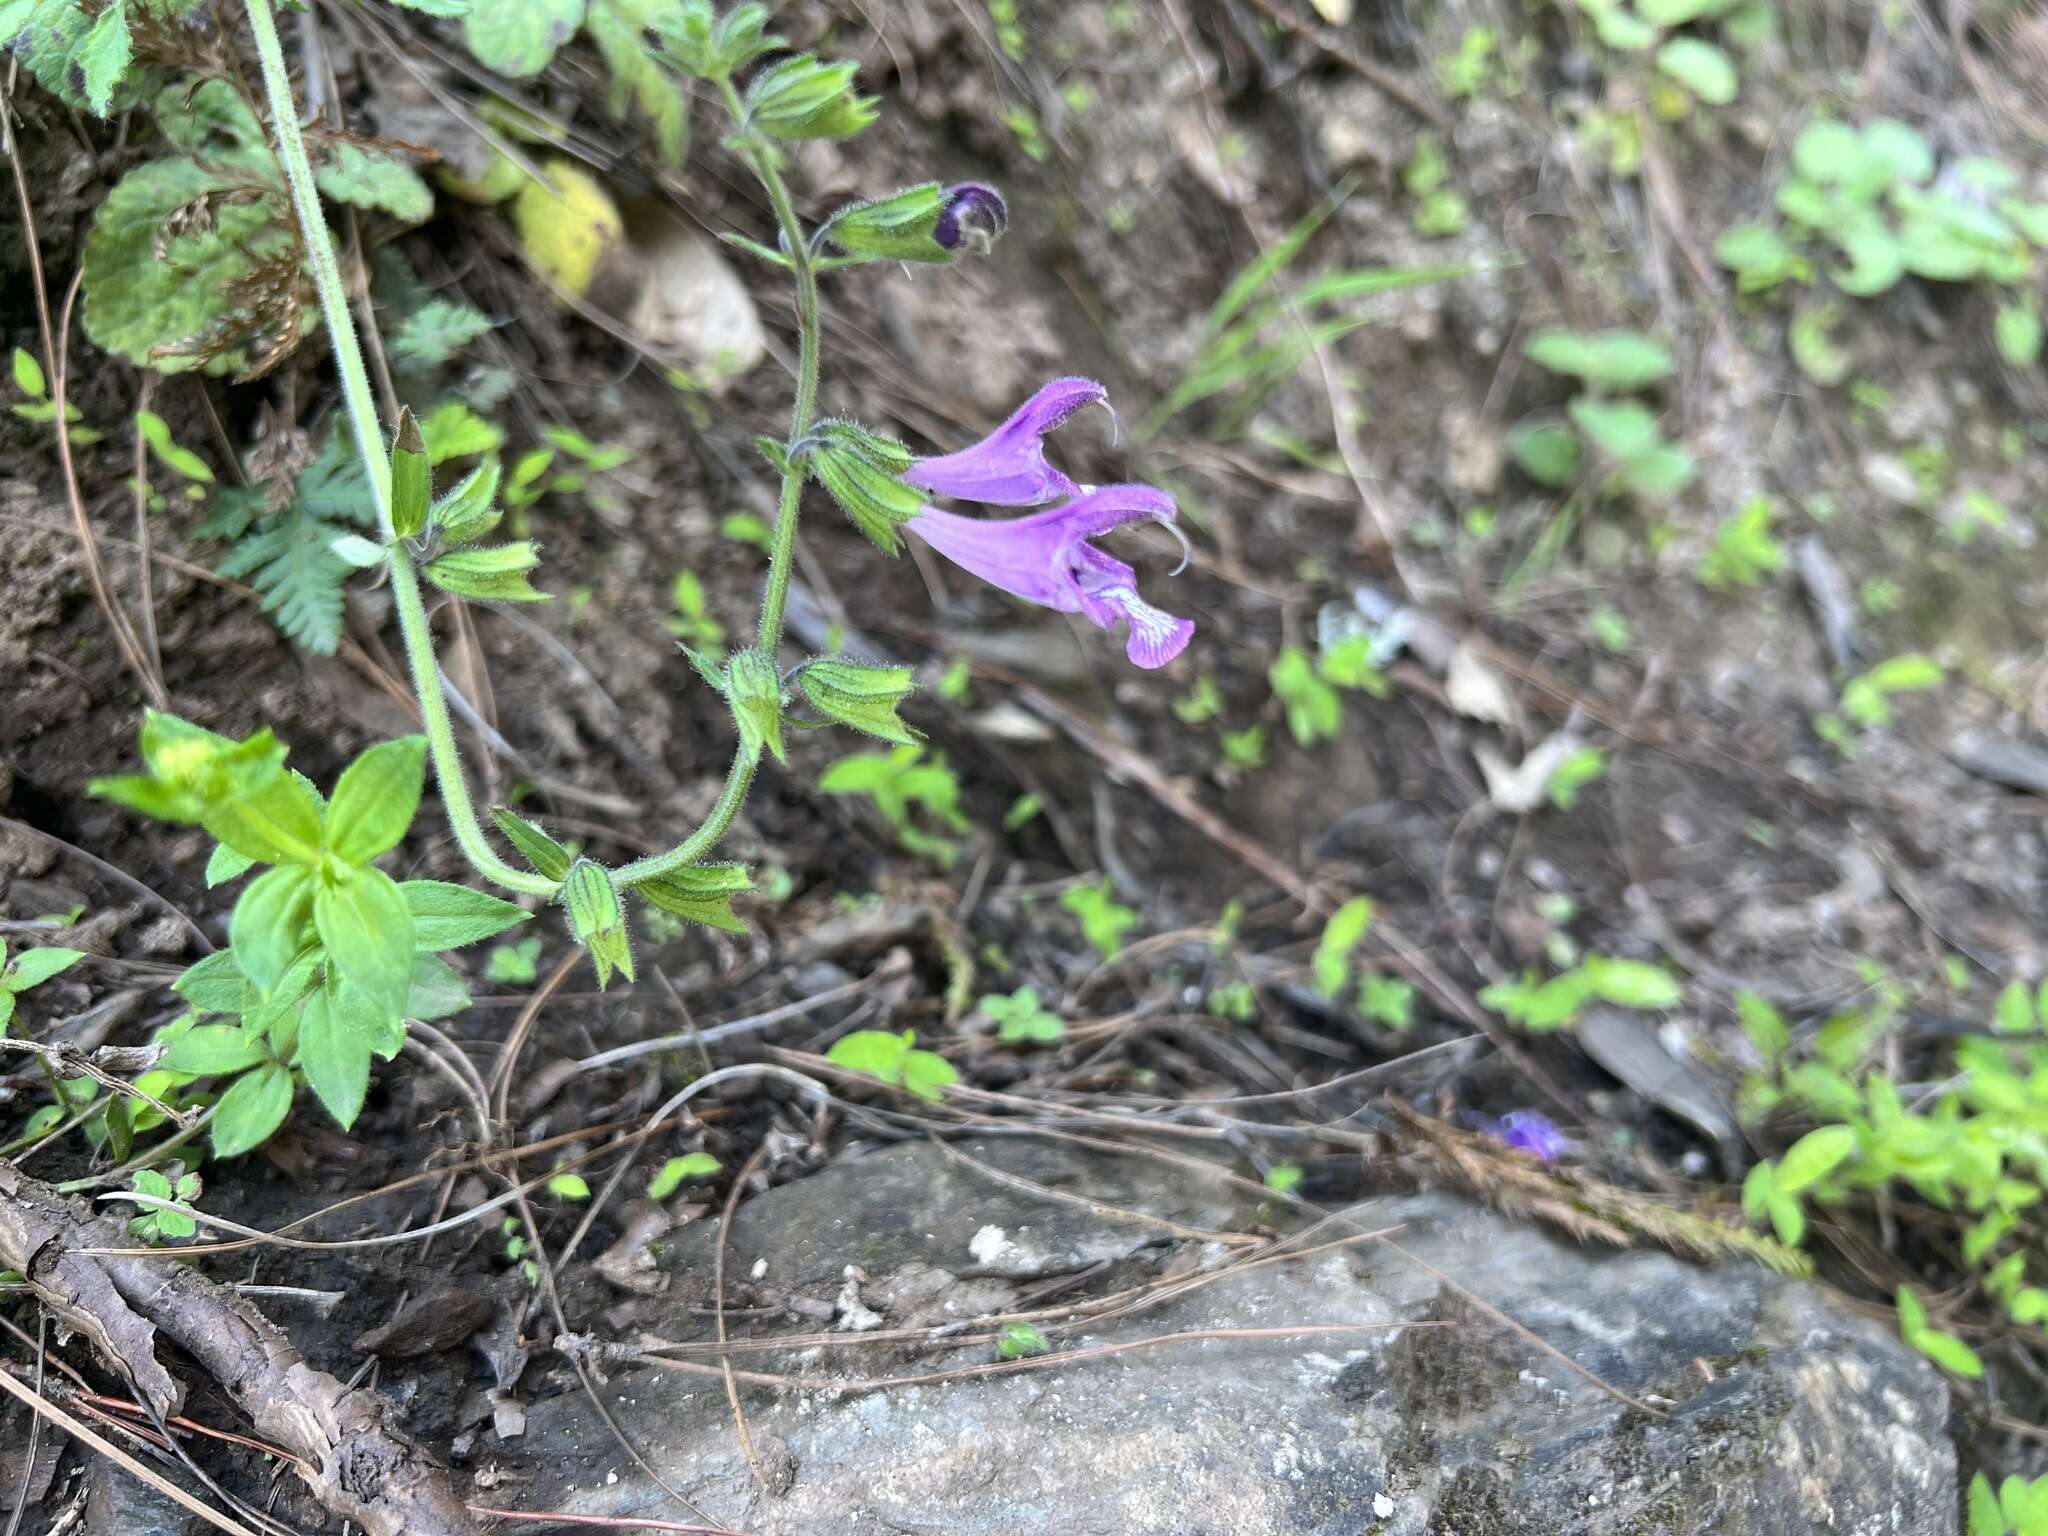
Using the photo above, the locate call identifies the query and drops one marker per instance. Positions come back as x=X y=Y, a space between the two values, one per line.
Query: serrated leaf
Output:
x=519 y=37
x=103 y=58
x=251 y=1110
x=367 y=177
x=290 y=560
x=435 y=332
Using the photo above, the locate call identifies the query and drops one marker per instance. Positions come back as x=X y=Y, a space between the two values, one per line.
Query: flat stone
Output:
x=1777 y=1411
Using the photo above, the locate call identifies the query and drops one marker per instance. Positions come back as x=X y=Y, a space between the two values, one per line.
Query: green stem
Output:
x=738 y=780
x=782 y=554
x=362 y=414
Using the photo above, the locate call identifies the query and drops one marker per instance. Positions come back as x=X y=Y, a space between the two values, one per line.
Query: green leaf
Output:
x=619 y=28
x=157 y=434
x=1758 y=1188
x=28 y=374
x=1787 y=1219
x=2015 y=1014
x=214 y=1050
x=103 y=60
x=547 y=856
x=335 y=1058
x=927 y=1074
x=678 y=1171
x=224 y=864
x=1764 y=1025
x=366 y=925
x=435 y=332
x=1547 y=452
x=215 y=984
x=1331 y=964
x=700 y=893
x=893 y=1059
x=516 y=964
x=1701 y=68
x=173 y=292
x=375 y=798
x=569 y=1186
x=1619 y=359
x=1632 y=983
x=1949 y=1352
x=518 y=37
x=268 y=926
x=454 y=431
x=367 y=177
x=1021 y=1341
x=1813 y=1157
x=1985 y=1517
x=1314 y=711
x=1104 y=920
x=438 y=990
x=2019 y=334
x=290 y=558
x=37 y=966
x=1020 y=1017
x=1624 y=430
x=1814 y=349
x=446 y=916
x=251 y=1110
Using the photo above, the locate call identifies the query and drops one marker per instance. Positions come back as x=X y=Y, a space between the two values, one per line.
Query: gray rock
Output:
x=1781 y=1412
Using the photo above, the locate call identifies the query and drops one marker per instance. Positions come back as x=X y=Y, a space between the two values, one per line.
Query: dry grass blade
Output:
x=79 y=1430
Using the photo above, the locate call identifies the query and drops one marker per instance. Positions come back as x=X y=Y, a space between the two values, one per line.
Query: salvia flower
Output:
x=1047 y=558
x=974 y=215
x=1008 y=468
x=1524 y=1130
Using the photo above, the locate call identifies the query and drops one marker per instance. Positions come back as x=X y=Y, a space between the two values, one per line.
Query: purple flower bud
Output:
x=974 y=216
x=1524 y=1130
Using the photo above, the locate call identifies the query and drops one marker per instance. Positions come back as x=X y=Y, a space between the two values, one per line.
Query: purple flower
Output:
x=1526 y=1131
x=974 y=214
x=1046 y=558
x=1007 y=468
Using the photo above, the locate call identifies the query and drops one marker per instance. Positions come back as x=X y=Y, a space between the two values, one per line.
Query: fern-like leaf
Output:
x=288 y=557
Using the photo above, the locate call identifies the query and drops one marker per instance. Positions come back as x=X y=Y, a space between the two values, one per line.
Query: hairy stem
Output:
x=370 y=445
x=782 y=554
x=738 y=780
